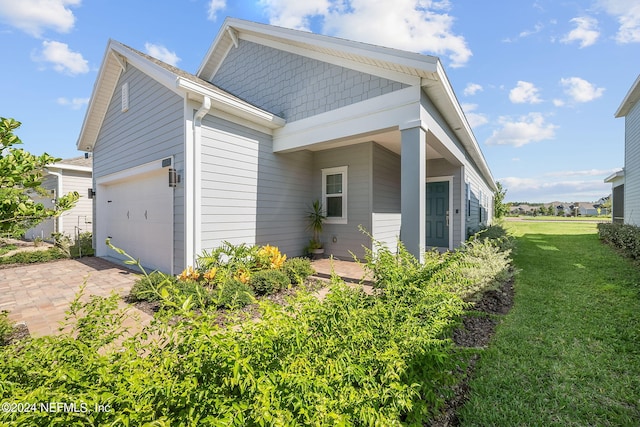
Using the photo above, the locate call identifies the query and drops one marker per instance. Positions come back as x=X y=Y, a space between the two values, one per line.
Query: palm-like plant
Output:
x=316 y=218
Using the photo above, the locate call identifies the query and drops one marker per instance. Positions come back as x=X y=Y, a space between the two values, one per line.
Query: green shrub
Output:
x=298 y=270
x=83 y=246
x=266 y=282
x=31 y=257
x=624 y=237
x=161 y=287
x=233 y=294
x=5 y=326
x=147 y=288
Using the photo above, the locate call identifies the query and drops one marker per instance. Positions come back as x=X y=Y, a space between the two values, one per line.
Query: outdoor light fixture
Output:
x=92 y=193
x=174 y=178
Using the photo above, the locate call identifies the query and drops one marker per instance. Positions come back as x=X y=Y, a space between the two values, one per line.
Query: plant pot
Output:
x=317 y=253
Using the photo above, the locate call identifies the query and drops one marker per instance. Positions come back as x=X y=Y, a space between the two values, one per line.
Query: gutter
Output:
x=197 y=174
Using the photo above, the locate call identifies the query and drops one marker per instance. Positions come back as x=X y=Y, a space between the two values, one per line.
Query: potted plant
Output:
x=316 y=218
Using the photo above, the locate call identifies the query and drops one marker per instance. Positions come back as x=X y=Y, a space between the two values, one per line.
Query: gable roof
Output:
x=116 y=58
x=630 y=99
x=406 y=67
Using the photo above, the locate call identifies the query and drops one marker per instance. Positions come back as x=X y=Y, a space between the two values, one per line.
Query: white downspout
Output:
x=58 y=225
x=197 y=175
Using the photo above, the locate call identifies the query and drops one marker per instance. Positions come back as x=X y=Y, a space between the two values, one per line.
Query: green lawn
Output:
x=603 y=218
x=568 y=353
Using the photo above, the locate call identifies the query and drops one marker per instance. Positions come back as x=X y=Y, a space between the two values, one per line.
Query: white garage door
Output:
x=138 y=217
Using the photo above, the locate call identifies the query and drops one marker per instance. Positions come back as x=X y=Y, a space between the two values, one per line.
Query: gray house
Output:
x=626 y=183
x=273 y=119
x=61 y=178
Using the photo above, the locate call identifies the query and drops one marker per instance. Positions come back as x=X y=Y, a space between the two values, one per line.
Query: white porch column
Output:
x=413 y=190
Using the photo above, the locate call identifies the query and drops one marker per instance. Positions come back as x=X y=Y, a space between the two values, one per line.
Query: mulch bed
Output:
x=475 y=332
x=19 y=333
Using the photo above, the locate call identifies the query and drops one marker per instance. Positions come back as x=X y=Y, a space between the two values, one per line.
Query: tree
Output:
x=500 y=209
x=20 y=174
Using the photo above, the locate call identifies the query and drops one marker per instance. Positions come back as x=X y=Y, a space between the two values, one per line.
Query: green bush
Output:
x=147 y=288
x=83 y=246
x=350 y=359
x=266 y=282
x=32 y=257
x=233 y=294
x=5 y=326
x=168 y=289
x=298 y=269
x=624 y=237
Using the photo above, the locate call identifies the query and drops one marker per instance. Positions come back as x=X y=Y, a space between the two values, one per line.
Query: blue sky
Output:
x=539 y=80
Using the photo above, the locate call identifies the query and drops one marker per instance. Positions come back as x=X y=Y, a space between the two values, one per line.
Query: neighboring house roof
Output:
x=630 y=100
x=615 y=176
x=115 y=61
x=80 y=164
x=398 y=65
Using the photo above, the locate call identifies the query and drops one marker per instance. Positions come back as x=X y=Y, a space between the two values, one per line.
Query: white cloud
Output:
x=63 y=59
x=558 y=102
x=472 y=89
x=524 y=92
x=162 y=53
x=628 y=14
x=414 y=25
x=536 y=29
x=34 y=16
x=522 y=131
x=215 y=6
x=587 y=172
x=581 y=90
x=74 y=103
x=586 y=31
x=474 y=119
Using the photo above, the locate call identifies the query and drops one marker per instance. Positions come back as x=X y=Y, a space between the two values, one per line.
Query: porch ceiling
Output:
x=389 y=139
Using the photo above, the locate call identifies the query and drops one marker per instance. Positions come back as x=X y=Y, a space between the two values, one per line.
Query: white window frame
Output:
x=334 y=171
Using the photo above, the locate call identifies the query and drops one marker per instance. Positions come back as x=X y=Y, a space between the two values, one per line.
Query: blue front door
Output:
x=438 y=214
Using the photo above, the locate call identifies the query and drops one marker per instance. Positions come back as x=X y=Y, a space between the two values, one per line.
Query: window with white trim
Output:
x=334 y=194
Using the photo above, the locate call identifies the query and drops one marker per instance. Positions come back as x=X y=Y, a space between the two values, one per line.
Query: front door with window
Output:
x=438 y=214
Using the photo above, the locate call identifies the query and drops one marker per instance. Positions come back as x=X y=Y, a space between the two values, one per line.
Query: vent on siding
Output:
x=125 y=97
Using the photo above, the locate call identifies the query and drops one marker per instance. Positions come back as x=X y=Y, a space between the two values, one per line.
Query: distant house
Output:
x=626 y=183
x=67 y=175
x=274 y=119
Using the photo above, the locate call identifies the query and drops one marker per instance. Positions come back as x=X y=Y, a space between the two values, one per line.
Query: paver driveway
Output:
x=39 y=294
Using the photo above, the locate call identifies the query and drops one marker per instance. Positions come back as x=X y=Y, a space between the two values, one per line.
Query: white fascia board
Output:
x=407 y=79
x=90 y=116
x=392 y=110
x=453 y=113
x=64 y=166
x=396 y=56
x=629 y=100
x=156 y=72
x=232 y=105
x=617 y=175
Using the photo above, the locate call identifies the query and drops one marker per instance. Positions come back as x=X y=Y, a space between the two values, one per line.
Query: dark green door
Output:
x=438 y=214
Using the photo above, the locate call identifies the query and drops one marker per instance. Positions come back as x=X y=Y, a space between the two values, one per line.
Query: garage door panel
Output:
x=139 y=219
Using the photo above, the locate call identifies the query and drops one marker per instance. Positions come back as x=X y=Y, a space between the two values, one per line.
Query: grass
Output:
x=568 y=353
x=564 y=218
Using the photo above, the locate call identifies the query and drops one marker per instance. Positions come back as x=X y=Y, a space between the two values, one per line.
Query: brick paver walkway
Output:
x=39 y=294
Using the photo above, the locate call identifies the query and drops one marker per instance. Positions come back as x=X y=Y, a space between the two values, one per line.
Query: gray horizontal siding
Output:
x=349 y=238
x=249 y=194
x=385 y=228
x=386 y=180
x=632 y=166
x=293 y=86
x=81 y=216
x=153 y=128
